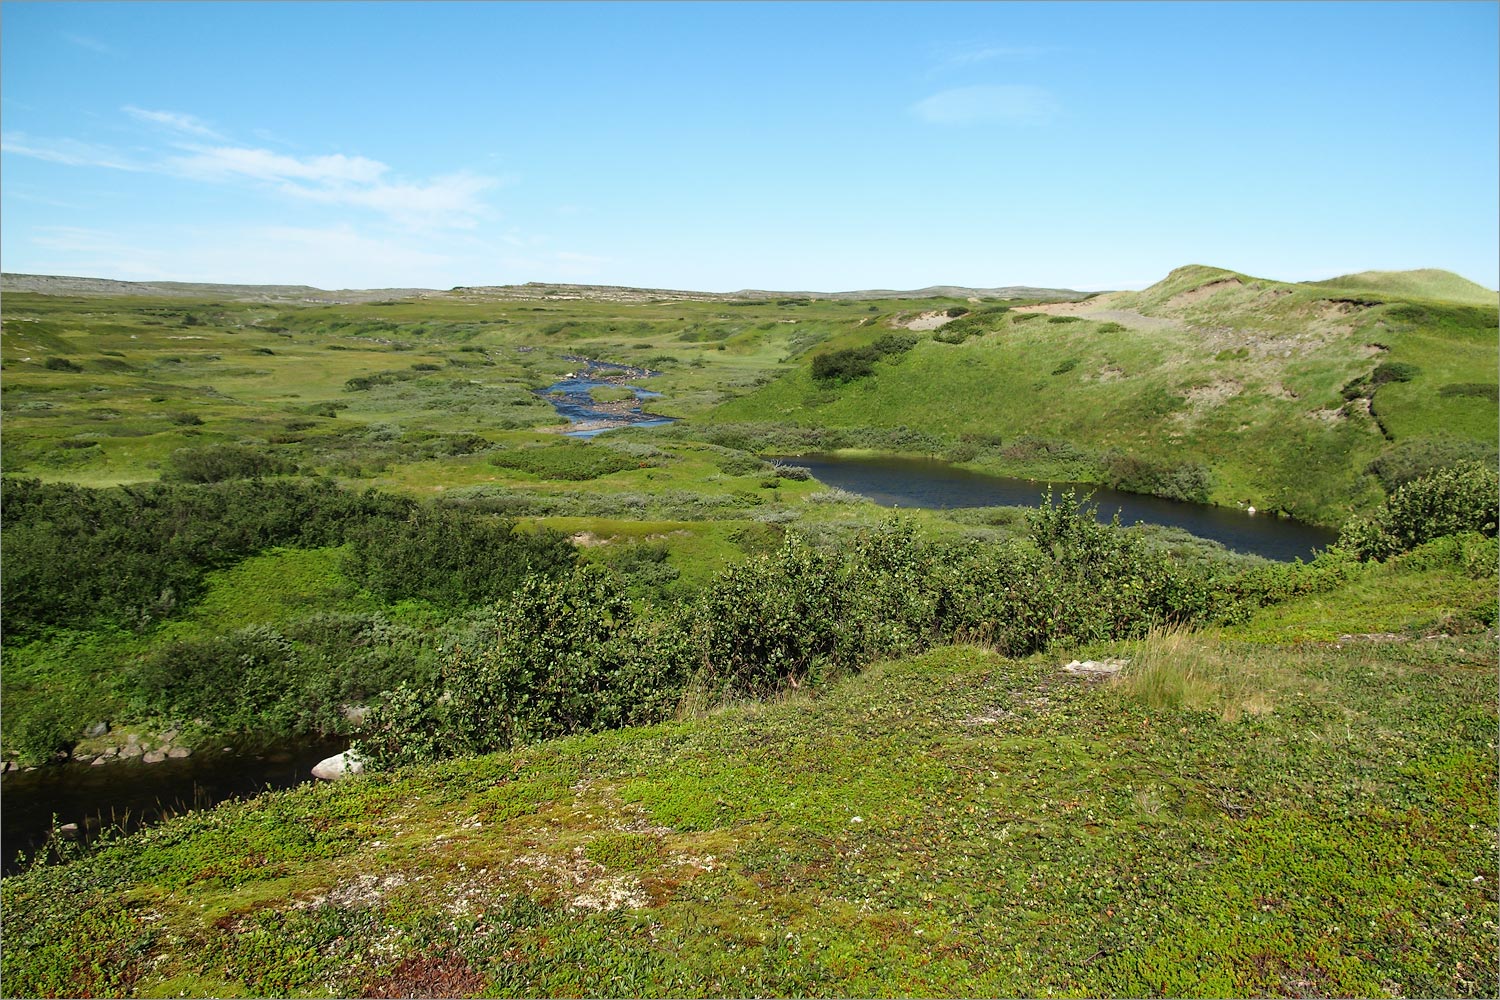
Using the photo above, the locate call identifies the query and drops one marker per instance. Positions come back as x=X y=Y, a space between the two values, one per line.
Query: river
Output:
x=920 y=482
x=133 y=794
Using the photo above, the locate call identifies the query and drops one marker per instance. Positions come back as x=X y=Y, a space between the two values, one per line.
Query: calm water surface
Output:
x=918 y=482
x=134 y=794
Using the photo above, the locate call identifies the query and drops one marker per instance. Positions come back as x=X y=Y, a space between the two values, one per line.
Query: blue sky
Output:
x=724 y=146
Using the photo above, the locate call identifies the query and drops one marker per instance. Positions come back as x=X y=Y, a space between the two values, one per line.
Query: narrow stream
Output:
x=572 y=398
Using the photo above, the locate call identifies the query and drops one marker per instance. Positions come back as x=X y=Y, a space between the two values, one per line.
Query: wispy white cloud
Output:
x=172 y=120
x=70 y=152
x=987 y=103
x=448 y=201
x=92 y=44
x=225 y=162
x=973 y=56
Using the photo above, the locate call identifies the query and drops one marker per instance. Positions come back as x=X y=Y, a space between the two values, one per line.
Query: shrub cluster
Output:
x=571 y=653
x=450 y=557
x=1186 y=481
x=216 y=463
x=857 y=362
x=570 y=460
x=131 y=554
x=1462 y=498
x=280 y=682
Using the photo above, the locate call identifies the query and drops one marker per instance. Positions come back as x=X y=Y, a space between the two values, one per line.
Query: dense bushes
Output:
x=1187 y=481
x=571 y=654
x=450 y=557
x=571 y=460
x=132 y=554
x=857 y=362
x=1462 y=498
x=562 y=655
x=280 y=682
x=219 y=462
x=1414 y=458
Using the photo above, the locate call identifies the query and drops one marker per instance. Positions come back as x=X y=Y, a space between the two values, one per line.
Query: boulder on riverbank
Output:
x=340 y=765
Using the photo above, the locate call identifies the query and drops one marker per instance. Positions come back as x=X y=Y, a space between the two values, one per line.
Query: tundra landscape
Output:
x=749 y=500
x=648 y=712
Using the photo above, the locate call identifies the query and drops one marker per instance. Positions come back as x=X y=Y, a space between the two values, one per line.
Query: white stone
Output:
x=340 y=765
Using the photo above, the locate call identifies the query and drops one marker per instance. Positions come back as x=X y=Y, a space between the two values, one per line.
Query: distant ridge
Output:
x=52 y=284
x=1424 y=283
x=930 y=292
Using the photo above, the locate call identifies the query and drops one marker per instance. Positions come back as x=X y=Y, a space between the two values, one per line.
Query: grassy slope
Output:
x=1427 y=283
x=1230 y=818
x=1240 y=374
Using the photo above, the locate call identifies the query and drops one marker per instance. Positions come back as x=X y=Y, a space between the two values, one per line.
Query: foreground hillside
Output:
x=1209 y=385
x=1276 y=808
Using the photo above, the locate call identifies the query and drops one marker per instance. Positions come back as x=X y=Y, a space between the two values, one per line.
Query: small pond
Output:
x=918 y=482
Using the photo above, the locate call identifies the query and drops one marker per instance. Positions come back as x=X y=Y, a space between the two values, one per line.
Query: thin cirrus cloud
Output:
x=987 y=103
x=449 y=201
x=172 y=120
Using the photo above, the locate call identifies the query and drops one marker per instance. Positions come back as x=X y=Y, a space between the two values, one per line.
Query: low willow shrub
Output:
x=1464 y=497
x=573 y=653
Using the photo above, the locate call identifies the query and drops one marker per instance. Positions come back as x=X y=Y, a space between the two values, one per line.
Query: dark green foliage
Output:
x=571 y=460
x=1447 y=318
x=184 y=419
x=1064 y=319
x=61 y=364
x=134 y=554
x=562 y=655
x=957 y=311
x=767 y=622
x=1462 y=498
x=451 y=557
x=1188 y=481
x=216 y=463
x=1414 y=458
x=857 y=362
x=1110 y=327
x=1393 y=371
x=971 y=325
x=1479 y=390
x=280 y=682
x=1065 y=367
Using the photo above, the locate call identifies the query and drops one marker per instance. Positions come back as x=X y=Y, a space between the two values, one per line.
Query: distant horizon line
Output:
x=931 y=290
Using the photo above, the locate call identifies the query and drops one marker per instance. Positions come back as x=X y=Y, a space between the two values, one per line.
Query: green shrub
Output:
x=61 y=364
x=569 y=460
x=1065 y=367
x=216 y=463
x=857 y=362
x=1393 y=371
x=1462 y=498
x=1413 y=458
x=1478 y=390
x=1188 y=481
x=451 y=557
x=562 y=655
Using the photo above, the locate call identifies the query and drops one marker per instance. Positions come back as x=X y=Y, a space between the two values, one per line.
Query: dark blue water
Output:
x=919 y=482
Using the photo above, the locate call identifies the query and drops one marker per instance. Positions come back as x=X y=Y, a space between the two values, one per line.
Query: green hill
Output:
x=1229 y=814
x=1427 y=283
x=1208 y=385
